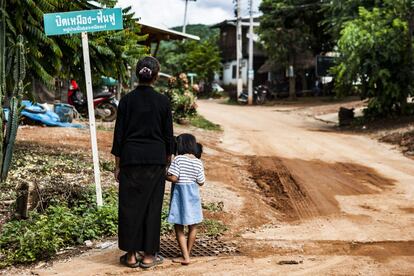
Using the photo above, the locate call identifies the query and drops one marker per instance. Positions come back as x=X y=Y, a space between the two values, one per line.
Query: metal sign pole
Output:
x=251 y=51
x=239 y=50
x=91 y=111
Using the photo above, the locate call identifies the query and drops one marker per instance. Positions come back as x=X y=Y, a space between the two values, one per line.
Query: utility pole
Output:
x=185 y=15
x=239 y=51
x=251 y=70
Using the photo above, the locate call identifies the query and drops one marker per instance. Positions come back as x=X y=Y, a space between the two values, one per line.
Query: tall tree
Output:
x=200 y=57
x=338 y=12
x=374 y=59
x=291 y=29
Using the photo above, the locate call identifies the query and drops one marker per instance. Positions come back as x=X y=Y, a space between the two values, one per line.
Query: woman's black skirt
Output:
x=141 y=193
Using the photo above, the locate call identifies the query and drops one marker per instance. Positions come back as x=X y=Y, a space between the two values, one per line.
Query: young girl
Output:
x=187 y=174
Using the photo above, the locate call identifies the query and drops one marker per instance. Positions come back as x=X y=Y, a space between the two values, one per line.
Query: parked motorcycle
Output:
x=259 y=95
x=104 y=102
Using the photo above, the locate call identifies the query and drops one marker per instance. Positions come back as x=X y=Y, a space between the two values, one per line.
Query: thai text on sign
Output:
x=83 y=21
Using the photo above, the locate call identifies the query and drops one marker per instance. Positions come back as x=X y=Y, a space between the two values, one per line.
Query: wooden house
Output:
x=227 y=45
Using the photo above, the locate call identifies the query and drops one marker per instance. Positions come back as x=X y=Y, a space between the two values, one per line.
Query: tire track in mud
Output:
x=281 y=189
x=302 y=189
x=303 y=205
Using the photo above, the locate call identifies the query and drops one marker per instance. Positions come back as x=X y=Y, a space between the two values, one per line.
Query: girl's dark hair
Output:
x=199 y=150
x=187 y=144
x=148 y=69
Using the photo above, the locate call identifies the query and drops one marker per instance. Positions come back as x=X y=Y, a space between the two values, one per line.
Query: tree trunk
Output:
x=28 y=198
x=403 y=102
x=292 y=88
x=22 y=200
x=304 y=82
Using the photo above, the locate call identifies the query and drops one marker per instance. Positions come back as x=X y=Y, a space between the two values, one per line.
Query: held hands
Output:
x=172 y=178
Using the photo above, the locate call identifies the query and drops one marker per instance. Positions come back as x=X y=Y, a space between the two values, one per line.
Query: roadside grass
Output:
x=213 y=228
x=104 y=127
x=201 y=122
x=66 y=214
x=213 y=206
x=231 y=101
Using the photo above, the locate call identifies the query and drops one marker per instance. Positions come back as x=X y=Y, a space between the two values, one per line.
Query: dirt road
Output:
x=341 y=188
x=295 y=192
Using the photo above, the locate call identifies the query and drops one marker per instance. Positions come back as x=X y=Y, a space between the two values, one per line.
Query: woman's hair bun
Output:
x=147 y=69
x=145 y=72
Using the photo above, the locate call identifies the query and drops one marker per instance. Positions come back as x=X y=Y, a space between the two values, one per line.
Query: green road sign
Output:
x=83 y=21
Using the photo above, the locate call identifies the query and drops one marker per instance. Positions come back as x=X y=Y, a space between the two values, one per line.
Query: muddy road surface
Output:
x=299 y=199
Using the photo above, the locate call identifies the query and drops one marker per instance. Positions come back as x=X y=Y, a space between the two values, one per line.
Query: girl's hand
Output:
x=172 y=178
x=116 y=174
x=200 y=184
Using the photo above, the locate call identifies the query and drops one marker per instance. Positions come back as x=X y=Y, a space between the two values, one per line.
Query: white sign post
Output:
x=91 y=112
x=84 y=22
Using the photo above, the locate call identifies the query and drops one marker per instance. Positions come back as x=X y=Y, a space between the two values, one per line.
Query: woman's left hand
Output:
x=116 y=174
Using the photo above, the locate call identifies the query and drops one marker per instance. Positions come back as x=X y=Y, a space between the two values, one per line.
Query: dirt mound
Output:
x=403 y=139
x=301 y=189
x=67 y=139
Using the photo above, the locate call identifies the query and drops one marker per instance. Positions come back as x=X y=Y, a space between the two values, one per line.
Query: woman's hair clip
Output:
x=145 y=70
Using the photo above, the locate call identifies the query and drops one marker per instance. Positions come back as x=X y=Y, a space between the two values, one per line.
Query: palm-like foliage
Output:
x=61 y=56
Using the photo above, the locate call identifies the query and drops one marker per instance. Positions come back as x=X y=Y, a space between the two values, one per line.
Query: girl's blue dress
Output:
x=185 y=205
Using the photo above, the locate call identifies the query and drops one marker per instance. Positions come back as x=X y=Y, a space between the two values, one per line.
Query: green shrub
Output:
x=42 y=235
x=374 y=60
x=39 y=237
x=183 y=101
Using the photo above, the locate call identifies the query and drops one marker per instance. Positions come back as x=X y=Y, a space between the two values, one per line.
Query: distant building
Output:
x=154 y=36
x=227 y=45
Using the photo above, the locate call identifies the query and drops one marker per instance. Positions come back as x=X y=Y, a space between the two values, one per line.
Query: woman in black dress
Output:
x=143 y=144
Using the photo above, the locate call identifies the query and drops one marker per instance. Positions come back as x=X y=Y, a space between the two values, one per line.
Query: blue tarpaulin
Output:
x=46 y=117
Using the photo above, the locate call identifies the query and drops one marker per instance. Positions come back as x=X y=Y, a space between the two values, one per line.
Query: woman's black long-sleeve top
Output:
x=144 y=128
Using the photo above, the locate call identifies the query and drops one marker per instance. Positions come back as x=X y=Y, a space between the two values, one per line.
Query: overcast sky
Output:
x=170 y=13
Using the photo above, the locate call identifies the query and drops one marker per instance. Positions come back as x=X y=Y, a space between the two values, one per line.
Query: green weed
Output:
x=213 y=228
x=201 y=122
x=213 y=206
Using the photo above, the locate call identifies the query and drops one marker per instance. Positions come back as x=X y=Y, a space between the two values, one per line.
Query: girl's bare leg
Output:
x=192 y=233
x=179 y=233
